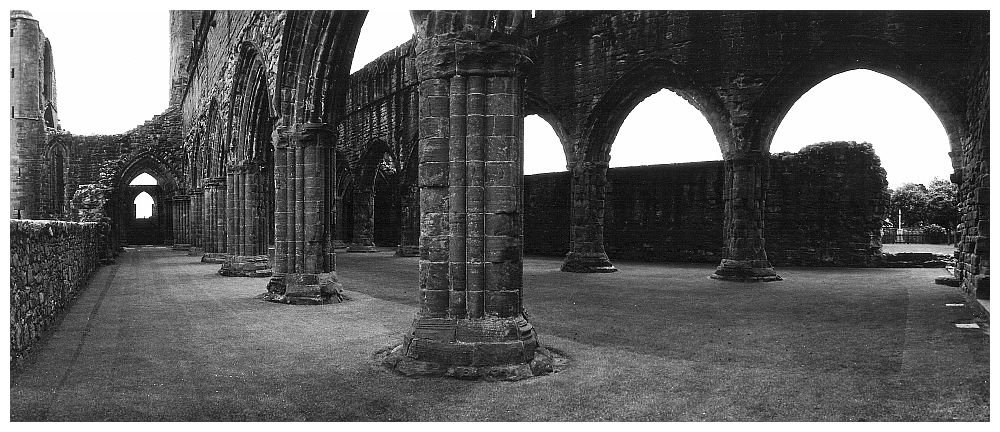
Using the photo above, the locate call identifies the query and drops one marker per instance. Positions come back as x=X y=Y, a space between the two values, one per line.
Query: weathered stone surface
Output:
x=246 y=266
x=824 y=207
x=50 y=262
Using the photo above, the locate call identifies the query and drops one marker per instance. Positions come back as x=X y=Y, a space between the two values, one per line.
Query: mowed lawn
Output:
x=164 y=338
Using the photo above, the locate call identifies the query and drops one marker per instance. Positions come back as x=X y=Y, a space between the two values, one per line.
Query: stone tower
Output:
x=32 y=112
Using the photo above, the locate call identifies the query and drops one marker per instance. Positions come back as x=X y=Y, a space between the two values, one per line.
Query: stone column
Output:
x=586 y=232
x=744 y=196
x=247 y=257
x=181 y=226
x=364 y=216
x=215 y=220
x=305 y=187
x=409 y=209
x=196 y=222
x=338 y=218
x=471 y=321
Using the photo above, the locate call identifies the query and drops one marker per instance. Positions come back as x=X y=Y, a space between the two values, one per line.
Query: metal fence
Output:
x=891 y=235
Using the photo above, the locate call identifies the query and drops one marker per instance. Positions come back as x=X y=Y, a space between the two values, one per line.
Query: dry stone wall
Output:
x=50 y=262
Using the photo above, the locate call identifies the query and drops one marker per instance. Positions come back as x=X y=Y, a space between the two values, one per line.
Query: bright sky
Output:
x=143 y=205
x=102 y=91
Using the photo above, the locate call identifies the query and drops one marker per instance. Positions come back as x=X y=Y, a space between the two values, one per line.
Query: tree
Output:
x=937 y=204
x=912 y=199
x=942 y=203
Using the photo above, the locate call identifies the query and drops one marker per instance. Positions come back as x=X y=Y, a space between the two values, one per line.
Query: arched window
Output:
x=143 y=179
x=543 y=152
x=866 y=106
x=383 y=30
x=664 y=129
x=143 y=206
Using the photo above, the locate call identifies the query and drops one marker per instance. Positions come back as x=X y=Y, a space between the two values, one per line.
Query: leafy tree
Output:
x=921 y=205
x=942 y=203
x=912 y=199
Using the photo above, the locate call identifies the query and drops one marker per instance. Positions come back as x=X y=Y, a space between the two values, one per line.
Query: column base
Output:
x=408 y=251
x=745 y=271
x=543 y=363
x=181 y=246
x=214 y=257
x=246 y=266
x=196 y=251
x=489 y=348
x=593 y=262
x=361 y=248
x=304 y=289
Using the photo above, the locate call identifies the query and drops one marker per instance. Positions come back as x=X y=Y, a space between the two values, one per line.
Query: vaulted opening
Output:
x=382 y=31
x=143 y=179
x=909 y=140
x=143 y=205
x=543 y=152
x=664 y=129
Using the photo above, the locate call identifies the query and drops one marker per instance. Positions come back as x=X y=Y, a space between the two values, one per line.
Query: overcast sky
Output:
x=112 y=74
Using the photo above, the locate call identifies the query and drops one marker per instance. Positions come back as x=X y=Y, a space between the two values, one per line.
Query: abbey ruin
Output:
x=272 y=159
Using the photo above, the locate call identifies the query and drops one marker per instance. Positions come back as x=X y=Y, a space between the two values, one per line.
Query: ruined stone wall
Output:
x=50 y=262
x=742 y=68
x=825 y=207
x=974 y=185
x=653 y=213
x=97 y=157
x=382 y=106
x=214 y=55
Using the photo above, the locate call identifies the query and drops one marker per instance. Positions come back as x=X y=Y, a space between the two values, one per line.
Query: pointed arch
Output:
x=640 y=82
x=849 y=53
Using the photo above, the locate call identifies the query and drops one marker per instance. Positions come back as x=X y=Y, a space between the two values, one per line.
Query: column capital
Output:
x=471 y=53
x=747 y=157
x=213 y=182
x=578 y=167
x=305 y=134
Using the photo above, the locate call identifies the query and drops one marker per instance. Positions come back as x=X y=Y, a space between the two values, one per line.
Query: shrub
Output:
x=935 y=234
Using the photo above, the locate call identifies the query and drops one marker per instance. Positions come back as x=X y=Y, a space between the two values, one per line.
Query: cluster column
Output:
x=409 y=227
x=181 y=222
x=471 y=320
x=196 y=222
x=744 y=196
x=246 y=255
x=364 y=217
x=588 y=193
x=305 y=187
x=214 y=220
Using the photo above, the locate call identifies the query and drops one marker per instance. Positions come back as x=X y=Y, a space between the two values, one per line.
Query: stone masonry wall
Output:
x=974 y=185
x=50 y=262
x=825 y=205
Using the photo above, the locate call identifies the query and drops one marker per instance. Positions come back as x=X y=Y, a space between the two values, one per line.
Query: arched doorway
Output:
x=142 y=220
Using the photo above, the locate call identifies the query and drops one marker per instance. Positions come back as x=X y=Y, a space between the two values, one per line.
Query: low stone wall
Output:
x=825 y=206
x=50 y=262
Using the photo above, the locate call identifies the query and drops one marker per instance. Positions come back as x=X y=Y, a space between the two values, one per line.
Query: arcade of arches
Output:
x=272 y=159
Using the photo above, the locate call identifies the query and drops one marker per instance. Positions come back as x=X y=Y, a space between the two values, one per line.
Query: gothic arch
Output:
x=535 y=104
x=642 y=81
x=852 y=53
x=251 y=111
